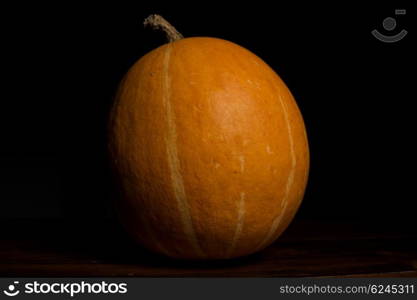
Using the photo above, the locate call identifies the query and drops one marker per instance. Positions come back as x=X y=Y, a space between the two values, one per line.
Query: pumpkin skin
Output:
x=210 y=150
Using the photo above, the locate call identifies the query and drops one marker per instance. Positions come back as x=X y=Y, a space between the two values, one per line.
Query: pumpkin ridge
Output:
x=239 y=225
x=277 y=220
x=173 y=160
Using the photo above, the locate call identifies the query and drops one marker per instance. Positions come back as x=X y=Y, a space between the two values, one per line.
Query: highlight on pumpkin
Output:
x=209 y=147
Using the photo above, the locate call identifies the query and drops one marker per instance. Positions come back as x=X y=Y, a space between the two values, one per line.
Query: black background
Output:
x=63 y=63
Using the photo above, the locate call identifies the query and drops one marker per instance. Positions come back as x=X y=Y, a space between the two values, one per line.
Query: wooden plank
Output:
x=306 y=249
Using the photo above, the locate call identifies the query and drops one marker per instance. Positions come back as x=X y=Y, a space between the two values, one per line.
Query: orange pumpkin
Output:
x=210 y=148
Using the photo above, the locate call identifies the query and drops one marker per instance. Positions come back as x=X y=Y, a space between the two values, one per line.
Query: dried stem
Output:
x=158 y=22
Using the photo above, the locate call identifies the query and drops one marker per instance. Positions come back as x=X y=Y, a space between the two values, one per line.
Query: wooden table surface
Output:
x=80 y=249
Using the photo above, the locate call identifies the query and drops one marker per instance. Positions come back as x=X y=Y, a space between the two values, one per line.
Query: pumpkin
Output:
x=210 y=150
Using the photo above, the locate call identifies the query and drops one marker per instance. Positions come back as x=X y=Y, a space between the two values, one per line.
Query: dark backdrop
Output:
x=63 y=64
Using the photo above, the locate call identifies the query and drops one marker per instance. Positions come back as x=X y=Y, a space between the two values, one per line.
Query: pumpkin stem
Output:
x=158 y=22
